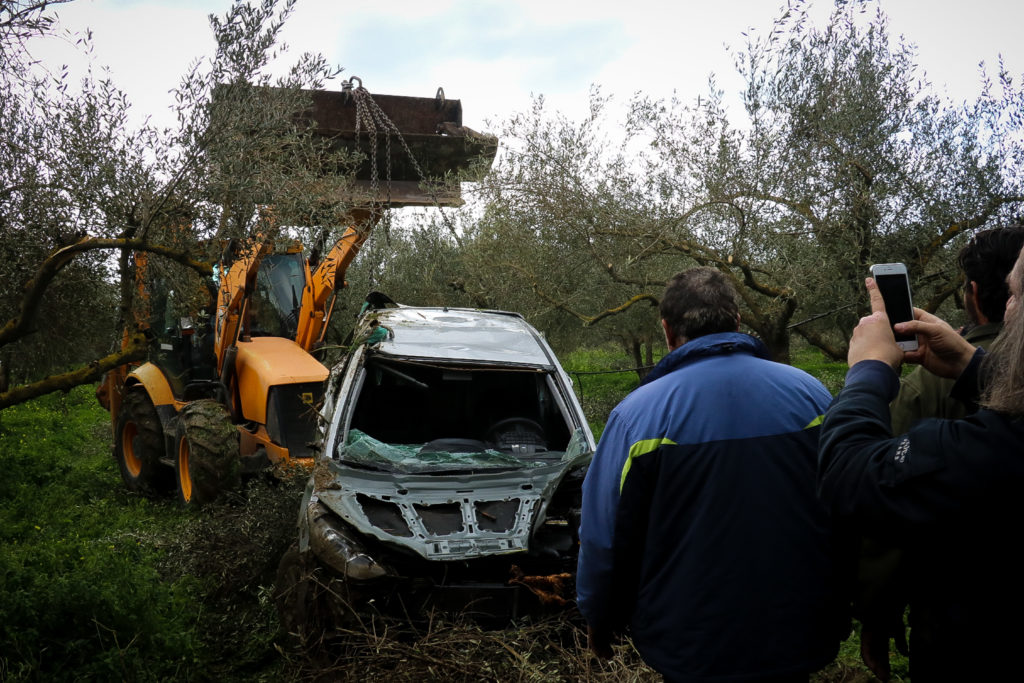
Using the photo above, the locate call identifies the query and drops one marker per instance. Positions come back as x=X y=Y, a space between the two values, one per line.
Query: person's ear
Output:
x=670 y=336
x=973 y=304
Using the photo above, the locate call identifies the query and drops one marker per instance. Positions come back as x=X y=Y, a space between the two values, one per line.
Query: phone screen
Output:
x=895 y=290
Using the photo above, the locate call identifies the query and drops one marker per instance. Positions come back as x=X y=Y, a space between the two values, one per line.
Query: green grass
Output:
x=100 y=584
x=812 y=361
x=597 y=386
x=81 y=597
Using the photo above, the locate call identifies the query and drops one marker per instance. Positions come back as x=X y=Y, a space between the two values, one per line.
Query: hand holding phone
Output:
x=894 y=285
x=942 y=350
x=872 y=338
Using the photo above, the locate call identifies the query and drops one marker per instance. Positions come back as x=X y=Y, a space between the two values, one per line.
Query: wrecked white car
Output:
x=450 y=472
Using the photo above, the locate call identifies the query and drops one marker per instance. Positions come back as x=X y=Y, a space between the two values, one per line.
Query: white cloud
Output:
x=493 y=55
x=147 y=47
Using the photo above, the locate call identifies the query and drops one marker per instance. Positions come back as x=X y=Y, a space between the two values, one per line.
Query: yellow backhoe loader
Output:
x=238 y=392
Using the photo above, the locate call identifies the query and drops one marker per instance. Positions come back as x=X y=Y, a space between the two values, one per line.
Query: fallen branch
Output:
x=136 y=349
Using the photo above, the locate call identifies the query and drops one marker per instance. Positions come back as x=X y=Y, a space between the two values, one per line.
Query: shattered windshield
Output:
x=415 y=414
x=363 y=450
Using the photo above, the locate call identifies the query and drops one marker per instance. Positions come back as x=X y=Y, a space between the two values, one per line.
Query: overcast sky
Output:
x=495 y=55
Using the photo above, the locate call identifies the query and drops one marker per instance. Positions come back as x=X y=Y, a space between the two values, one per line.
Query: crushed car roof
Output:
x=461 y=334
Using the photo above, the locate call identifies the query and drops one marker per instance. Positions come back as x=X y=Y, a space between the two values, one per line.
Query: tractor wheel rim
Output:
x=132 y=462
x=184 y=476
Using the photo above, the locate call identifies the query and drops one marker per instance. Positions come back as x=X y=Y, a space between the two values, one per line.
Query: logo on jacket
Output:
x=902 y=450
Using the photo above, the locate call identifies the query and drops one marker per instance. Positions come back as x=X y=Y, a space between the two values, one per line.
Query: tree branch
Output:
x=955 y=229
x=815 y=339
x=705 y=256
x=587 y=320
x=941 y=295
x=136 y=349
x=622 y=308
x=21 y=325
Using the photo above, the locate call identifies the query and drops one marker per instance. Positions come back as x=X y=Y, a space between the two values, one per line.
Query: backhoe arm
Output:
x=235 y=285
x=329 y=276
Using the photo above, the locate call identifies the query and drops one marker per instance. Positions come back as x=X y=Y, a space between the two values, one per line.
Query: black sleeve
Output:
x=971 y=381
x=932 y=473
x=863 y=472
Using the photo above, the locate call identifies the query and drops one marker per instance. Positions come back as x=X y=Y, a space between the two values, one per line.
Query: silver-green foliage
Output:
x=841 y=155
x=76 y=168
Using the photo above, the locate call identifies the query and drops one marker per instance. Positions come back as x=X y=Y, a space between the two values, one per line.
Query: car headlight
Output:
x=336 y=547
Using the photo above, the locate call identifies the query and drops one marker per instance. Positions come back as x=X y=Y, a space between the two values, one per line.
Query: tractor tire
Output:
x=139 y=445
x=206 y=458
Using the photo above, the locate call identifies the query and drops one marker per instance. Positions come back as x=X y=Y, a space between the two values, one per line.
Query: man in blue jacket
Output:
x=701 y=531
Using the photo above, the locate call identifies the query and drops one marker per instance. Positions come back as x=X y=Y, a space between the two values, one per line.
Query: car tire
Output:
x=312 y=602
x=294 y=593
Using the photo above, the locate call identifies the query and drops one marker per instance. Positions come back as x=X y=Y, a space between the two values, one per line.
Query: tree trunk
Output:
x=5 y=373
x=636 y=351
x=136 y=349
x=778 y=344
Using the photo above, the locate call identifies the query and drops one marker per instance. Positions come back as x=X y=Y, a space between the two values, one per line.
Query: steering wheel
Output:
x=518 y=434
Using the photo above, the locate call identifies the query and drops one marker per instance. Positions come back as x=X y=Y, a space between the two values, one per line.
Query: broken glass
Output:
x=362 y=449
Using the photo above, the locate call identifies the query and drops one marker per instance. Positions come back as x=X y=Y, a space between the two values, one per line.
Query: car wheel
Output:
x=294 y=594
x=313 y=603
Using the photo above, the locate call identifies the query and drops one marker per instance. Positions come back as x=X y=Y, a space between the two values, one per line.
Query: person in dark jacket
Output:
x=949 y=488
x=985 y=262
x=881 y=600
x=701 y=531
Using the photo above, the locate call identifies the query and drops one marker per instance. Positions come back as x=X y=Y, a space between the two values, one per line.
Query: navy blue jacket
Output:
x=949 y=491
x=701 y=530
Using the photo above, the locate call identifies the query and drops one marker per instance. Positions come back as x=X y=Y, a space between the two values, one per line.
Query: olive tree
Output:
x=554 y=238
x=841 y=156
x=844 y=157
x=82 y=191
x=63 y=151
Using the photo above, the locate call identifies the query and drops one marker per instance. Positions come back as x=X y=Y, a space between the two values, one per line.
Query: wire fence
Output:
x=577 y=376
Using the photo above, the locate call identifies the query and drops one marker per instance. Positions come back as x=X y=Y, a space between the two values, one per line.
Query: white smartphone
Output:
x=894 y=286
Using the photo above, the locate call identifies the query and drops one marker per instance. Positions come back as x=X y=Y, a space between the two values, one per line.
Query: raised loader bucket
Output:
x=427 y=141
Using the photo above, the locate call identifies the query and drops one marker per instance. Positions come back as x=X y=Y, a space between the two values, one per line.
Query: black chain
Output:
x=369 y=112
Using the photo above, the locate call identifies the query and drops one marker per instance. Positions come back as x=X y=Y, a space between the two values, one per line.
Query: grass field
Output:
x=101 y=584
